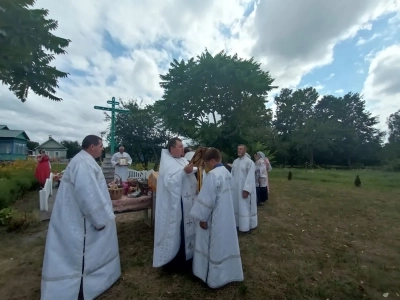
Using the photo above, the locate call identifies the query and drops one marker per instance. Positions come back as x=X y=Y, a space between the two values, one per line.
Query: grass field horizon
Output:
x=319 y=237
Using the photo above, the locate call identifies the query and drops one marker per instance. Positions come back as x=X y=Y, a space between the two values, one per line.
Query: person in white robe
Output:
x=174 y=232
x=121 y=171
x=81 y=258
x=244 y=191
x=216 y=258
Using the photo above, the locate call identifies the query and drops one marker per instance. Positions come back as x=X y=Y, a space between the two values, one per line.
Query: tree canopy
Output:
x=141 y=132
x=27 y=47
x=216 y=100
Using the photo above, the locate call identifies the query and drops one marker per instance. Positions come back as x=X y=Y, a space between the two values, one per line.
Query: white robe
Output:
x=82 y=206
x=216 y=256
x=121 y=171
x=243 y=173
x=173 y=186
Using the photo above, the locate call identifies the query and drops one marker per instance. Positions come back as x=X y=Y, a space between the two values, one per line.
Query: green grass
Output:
x=319 y=237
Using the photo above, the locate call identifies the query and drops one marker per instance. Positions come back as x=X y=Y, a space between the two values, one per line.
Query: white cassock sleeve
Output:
x=250 y=181
x=129 y=159
x=89 y=197
x=173 y=182
x=205 y=202
x=114 y=160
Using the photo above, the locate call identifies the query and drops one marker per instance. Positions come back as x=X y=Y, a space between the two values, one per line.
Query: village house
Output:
x=53 y=149
x=12 y=144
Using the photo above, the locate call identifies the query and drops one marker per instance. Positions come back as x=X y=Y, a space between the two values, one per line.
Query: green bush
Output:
x=14 y=187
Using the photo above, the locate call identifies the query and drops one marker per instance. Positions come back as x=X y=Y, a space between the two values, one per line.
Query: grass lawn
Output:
x=319 y=237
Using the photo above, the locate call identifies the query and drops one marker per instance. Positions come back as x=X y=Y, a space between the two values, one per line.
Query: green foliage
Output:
x=141 y=132
x=393 y=123
x=15 y=220
x=258 y=146
x=27 y=48
x=73 y=147
x=32 y=145
x=14 y=187
x=357 y=181
x=290 y=175
x=218 y=101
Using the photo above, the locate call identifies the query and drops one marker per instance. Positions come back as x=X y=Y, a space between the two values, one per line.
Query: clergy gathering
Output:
x=201 y=206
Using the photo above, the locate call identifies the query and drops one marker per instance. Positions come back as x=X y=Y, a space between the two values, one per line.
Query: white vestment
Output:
x=243 y=173
x=174 y=188
x=216 y=255
x=82 y=206
x=121 y=171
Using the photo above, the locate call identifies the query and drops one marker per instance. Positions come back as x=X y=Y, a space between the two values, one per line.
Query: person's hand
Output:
x=245 y=194
x=259 y=180
x=203 y=225
x=188 y=168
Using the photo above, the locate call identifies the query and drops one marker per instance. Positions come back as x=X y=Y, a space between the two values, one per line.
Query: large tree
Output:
x=73 y=147
x=216 y=100
x=141 y=132
x=354 y=126
x=393 y=123
x=27 y=47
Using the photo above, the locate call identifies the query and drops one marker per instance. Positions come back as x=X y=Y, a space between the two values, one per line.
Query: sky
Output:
x=118 y=49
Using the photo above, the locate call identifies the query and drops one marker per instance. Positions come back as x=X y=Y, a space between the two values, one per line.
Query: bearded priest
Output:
x=174 y=233
x=81 y=258
x=217 y=256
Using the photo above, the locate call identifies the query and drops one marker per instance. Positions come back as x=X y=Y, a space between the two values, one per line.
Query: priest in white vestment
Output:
x=174 y=233
x=244 y=191
x=81 y=255
x=216 y=255
x=121 y=170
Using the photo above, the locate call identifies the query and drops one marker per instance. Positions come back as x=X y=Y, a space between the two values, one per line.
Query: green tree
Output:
x=299 y=130
x=27 y=47
x=73 y=147
x=32 y=145
x=354 y=126
x=393 y=123
x=141 y=132
x=216 y=100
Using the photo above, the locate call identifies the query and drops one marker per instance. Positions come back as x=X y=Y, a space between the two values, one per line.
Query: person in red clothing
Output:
x=43 y=168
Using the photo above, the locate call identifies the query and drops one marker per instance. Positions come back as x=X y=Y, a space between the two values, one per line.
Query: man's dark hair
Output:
x=172 y=143
x=212 y=153
x=90 y=140
x=187 y=149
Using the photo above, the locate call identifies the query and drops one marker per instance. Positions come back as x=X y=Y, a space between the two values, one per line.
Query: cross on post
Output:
x=113 y=111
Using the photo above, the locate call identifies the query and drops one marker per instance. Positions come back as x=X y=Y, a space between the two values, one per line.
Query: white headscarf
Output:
x=261 y=155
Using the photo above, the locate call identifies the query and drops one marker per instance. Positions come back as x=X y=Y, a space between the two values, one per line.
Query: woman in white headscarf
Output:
x=261 y=178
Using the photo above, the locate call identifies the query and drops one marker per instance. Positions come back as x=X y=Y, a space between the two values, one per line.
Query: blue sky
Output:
x=119 y=49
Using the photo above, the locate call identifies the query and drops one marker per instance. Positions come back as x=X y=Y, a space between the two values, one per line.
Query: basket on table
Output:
x=116 y=191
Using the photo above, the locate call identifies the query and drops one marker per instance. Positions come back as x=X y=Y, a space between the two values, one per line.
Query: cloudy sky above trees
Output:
x=119 y=49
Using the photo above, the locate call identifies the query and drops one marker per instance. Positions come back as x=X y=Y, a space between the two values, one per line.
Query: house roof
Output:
x=4 y=127
x=13 y=133
x=50 y=139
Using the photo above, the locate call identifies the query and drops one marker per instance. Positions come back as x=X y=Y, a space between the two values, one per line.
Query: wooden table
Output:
x=142 y=203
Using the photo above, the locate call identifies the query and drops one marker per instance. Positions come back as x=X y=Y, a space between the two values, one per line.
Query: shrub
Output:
x=16 y=179
x=290 y=175
x=357 y=181
x=15 y=220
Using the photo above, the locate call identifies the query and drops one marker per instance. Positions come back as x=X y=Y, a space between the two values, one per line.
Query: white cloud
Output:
x=381 y=88
x=339 y=91
x=289 y=38
x=330 y=76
